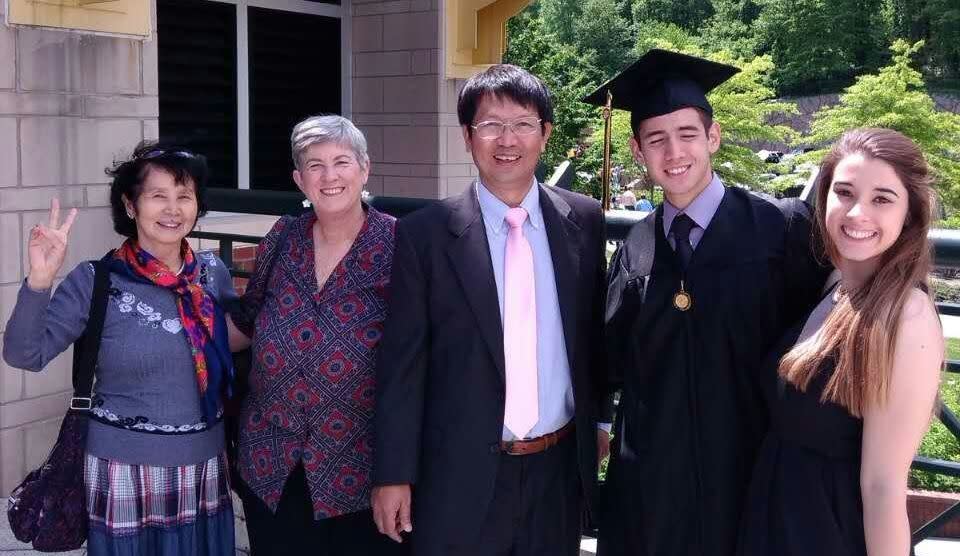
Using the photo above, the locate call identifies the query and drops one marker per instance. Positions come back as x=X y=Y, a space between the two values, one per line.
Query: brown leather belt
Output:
x=535 y=445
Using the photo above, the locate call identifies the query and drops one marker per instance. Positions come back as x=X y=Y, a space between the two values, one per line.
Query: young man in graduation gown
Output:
x=490 y=372
x=698 y=293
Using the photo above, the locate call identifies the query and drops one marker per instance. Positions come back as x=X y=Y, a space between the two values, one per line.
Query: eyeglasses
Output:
x=492 y=129
x=162 y=152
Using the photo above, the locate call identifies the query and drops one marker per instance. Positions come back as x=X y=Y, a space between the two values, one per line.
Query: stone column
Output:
x=403 y=102
x=70 y=104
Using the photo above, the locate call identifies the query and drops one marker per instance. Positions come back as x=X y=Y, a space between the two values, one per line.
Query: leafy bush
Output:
x=947 y=291
x=951 y=223
x=938 y=442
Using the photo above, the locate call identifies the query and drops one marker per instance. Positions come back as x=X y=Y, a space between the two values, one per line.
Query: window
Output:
x=290 y=78
x=235 y=75
x=197 y=62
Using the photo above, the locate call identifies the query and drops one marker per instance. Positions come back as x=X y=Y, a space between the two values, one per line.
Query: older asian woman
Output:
x=155 y=471
x=314 y=309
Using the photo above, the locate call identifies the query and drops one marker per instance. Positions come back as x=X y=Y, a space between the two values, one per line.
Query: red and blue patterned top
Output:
x=311 y=397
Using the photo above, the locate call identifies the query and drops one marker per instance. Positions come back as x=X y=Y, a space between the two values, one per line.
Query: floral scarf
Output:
x=203 y=320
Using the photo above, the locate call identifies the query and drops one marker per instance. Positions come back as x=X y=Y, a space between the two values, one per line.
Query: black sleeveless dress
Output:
x=804 y=497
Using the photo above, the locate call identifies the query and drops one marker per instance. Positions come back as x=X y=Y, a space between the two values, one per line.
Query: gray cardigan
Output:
x=147 y=407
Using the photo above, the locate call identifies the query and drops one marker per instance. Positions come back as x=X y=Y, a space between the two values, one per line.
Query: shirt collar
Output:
x=494 y=210
x=701 y=210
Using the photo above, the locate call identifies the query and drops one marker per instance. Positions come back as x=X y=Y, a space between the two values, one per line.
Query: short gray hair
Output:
x=328 y=129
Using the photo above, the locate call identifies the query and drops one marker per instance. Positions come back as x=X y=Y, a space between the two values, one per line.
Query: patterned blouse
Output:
x=311 y=395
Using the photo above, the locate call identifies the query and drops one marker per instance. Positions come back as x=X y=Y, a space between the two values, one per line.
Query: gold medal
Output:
x=682 y=300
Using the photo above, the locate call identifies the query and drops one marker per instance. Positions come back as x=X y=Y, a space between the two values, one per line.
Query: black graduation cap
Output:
x=661 y=82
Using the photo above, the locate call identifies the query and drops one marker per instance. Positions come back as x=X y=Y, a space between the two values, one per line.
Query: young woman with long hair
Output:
x=859 y=378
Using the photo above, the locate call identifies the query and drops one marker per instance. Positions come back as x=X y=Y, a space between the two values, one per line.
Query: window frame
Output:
x=341 y=12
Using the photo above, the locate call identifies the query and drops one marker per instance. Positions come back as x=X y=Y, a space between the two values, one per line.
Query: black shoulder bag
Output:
x=49 y=508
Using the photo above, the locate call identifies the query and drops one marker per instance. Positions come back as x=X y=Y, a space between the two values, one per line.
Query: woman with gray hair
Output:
x=314 y=309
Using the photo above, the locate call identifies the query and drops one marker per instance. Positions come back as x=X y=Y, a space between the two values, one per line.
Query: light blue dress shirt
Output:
x=701 y=210
x=554 y=385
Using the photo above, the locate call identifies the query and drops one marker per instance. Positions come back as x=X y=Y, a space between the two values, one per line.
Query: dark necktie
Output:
x=680 y=228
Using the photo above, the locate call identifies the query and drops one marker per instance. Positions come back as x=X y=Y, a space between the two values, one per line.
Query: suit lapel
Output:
x=563 y=235
x=470 y=255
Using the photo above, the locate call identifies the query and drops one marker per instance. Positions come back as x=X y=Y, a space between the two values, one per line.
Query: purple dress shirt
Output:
x=700 y=210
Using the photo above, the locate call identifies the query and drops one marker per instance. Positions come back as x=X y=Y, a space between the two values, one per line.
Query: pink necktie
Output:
x=521 y=410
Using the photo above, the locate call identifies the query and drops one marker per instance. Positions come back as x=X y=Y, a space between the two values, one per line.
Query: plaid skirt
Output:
x=147 y=510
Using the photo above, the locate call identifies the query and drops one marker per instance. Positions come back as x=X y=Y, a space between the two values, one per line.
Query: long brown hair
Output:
x=860 y=333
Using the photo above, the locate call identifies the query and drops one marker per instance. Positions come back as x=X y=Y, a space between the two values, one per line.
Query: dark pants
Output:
x=536 y=507
x=292 y=530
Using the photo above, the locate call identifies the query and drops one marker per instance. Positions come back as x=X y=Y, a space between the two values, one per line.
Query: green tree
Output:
x=732 y=27
x=592 y=160
x=658 y=34
x=687 y=14
x=603 y=36
x=907 y=19
x=944 y=38
x=937 y=23
x=559 y=66
x=743 y=106
x=867 y=32
x=559 y=16
x=820 y=45
x=895 y=98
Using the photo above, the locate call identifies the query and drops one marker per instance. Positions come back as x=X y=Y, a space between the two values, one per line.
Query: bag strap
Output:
x=86 y=349
x=280 y=245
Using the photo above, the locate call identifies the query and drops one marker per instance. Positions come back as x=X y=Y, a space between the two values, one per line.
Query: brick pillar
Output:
x=403 y=102
x=69 y=105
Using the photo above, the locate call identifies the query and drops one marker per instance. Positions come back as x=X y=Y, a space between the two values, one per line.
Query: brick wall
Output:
x=923 y=506
x=243 y=259
x=404 y=103
x=69 y=104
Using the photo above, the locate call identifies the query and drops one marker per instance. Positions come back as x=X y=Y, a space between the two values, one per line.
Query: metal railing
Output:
x=946 y=255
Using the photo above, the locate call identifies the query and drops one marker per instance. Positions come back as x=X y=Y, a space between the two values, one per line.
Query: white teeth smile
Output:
x=506 y=157
x=857 y=234
x=677 y=171
x=168 y=225
x=332 y=191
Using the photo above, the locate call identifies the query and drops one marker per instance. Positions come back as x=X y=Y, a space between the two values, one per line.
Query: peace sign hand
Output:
x=48 y=247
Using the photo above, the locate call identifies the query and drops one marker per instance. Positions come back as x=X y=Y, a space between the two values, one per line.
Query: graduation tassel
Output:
x=607 y=142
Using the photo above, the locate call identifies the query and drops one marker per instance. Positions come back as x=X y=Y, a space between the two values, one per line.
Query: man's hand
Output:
x=391 y=510
x=603 y=445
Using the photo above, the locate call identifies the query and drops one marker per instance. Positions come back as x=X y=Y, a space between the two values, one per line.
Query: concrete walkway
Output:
x=933 y=547
x=951 y=326
x=9 y=546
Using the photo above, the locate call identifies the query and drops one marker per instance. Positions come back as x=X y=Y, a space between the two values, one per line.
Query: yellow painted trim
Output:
x=476 y=34
x=121 y=17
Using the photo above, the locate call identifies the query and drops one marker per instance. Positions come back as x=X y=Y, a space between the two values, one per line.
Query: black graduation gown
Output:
x=692 y=412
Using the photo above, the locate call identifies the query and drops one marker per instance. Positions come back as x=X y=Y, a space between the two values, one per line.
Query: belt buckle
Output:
x=506 y=447
x=550 y=439
x=85 y=404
